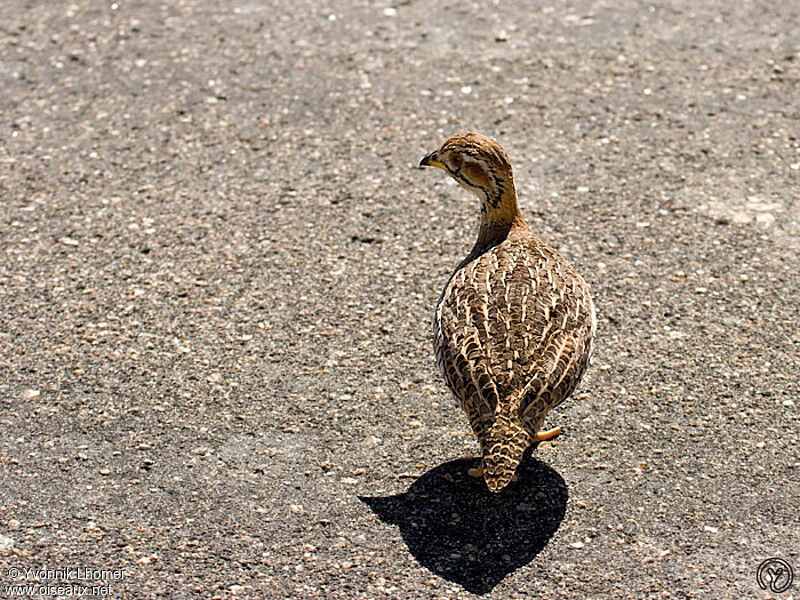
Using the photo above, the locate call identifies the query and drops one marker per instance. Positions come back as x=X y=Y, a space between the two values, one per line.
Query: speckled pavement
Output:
x=220 y=265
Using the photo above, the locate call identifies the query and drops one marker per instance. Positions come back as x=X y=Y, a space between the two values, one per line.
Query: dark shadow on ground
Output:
x=462 y=532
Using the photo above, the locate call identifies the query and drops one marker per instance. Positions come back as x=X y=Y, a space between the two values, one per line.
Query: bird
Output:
x=514 y=325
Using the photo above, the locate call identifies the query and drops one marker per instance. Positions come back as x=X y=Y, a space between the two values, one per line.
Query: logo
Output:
x=775 y=574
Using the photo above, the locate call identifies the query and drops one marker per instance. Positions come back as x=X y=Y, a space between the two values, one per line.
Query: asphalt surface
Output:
x=219 y=266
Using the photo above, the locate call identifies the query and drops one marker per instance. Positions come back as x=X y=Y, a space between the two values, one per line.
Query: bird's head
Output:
x=480 y=165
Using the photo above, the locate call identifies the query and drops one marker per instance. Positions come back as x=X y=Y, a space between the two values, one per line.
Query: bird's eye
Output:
x=456 y=161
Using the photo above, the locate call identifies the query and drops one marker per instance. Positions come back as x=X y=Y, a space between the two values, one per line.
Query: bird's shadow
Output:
x=459 y=530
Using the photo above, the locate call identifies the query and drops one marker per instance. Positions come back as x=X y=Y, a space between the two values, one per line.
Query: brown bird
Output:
x=514 y=325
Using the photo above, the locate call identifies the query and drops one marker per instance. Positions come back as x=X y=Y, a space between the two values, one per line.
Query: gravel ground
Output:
x=220 y=265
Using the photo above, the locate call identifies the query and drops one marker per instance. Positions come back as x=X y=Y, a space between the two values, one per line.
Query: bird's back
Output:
x=513 y=332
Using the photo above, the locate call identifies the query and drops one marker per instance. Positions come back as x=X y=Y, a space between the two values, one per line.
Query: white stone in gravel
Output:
x=6 y=543
x=740 y=217
x=92 y=527
x=31 y=394
x=765 y=218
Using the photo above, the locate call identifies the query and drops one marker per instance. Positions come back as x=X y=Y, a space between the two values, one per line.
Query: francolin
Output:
x=514 y=324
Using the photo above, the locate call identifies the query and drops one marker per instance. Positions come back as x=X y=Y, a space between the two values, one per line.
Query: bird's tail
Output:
x=506 y=443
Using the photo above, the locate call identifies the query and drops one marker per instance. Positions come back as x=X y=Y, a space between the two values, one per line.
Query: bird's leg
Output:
x=548 y=435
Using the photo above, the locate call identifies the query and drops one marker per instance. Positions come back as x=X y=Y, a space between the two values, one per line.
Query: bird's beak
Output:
x=431 y=160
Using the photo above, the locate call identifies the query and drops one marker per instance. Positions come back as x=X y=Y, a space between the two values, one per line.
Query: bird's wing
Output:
x=461 y=340
x=554 y=338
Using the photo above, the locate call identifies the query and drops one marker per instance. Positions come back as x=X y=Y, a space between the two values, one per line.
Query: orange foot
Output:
x=548 y=435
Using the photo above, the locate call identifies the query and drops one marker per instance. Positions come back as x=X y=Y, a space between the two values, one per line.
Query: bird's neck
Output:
x=500 y=215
